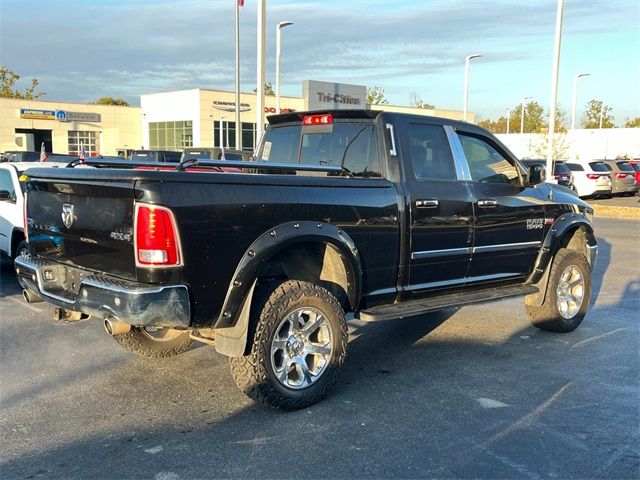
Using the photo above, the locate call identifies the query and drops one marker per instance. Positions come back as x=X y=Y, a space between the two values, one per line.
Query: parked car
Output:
x=623 y=177
x=375 y=214
x=21 y=156
x=561 y=171
x=12 y=239
x=590 y=178
x=635 y=164
x=155 y=156
x=213 y=153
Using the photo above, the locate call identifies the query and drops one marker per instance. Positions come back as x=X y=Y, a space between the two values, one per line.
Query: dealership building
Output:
x=168 y=120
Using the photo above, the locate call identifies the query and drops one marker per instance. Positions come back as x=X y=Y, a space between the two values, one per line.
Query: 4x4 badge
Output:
x=67 y=214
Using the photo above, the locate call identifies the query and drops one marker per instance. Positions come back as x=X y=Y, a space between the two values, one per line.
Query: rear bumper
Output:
x=104 y=296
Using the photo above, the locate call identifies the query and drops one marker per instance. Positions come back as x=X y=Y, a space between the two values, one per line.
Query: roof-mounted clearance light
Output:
x=324 y=119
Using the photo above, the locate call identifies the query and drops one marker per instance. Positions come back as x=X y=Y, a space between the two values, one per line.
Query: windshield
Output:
x=143 y=157
x=561 y=167
x=635 y=166
x=600 y=167
x=197 y=155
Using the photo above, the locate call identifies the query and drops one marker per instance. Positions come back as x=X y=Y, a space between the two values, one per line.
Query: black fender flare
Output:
x=232 y=324
x=563 y=225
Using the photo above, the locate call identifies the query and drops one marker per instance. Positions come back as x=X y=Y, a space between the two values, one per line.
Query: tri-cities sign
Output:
x=60 y=115
x=333 y=96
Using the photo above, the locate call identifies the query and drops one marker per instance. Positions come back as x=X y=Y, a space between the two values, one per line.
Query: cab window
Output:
x=430 y=153
x=486 y=164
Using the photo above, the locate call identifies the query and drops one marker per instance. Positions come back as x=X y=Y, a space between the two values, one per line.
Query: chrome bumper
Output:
x=104 y=296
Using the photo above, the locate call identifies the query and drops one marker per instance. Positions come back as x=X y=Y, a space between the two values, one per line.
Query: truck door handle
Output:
x=487 y=202
x=427 y=203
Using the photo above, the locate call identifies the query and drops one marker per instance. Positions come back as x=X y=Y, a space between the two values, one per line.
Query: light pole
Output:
x=524 y=99
x=554 y=89
x=281 y=25
x=575 y=98
x=237 y=108
x=261 y=17
x=467 y=59
x=221 y=135
x=508 y=119
x=601 y=114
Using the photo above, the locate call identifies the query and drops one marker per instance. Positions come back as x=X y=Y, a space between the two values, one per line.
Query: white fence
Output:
x=607 y=143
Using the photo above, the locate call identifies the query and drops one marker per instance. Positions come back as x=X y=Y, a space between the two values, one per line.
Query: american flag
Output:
x=82 y=156
x=43 y=154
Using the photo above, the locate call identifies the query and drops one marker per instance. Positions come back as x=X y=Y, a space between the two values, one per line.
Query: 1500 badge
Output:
x=535 y=223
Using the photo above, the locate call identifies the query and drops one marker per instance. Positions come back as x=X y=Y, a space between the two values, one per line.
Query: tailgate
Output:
x=83 y=223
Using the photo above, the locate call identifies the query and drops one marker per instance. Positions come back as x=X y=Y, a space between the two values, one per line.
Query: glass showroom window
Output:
x=229 y=134
x=170 y=135
x=88 y=139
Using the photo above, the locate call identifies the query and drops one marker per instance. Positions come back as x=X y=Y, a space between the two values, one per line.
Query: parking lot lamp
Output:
x=508 y=119
x=261 y=40
x=466 y=82
x=524 y=99
x=575 y=98
x=281 y=25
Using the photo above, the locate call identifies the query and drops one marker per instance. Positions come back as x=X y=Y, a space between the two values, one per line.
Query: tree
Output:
x=375 y=96
x=592 y=113
x=268 y=89
x=560 y=147
x=496 y=126
x=533 y=118
x=8 y=79
x=416 y=101
x=634 y=123
x=111 y=101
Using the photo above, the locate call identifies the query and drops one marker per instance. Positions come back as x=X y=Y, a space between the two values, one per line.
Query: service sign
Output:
x=333 y=96
x=37 y=114
x=65 y=116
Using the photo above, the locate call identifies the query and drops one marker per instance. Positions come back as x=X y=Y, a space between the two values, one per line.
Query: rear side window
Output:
x=486 y=163
x=625 y=167
x=600 y=167
x=6 y=184
x=430 y=153
x=574 y=167
x=635 y=166
x=349 y=145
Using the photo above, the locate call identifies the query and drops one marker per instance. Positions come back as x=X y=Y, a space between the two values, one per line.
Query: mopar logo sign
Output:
x=61 y=115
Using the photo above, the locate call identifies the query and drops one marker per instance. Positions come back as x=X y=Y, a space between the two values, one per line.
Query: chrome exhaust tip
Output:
x=31 y=297
x=113 y=326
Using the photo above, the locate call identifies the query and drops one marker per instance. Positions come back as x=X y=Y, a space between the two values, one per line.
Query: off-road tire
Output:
x=22 y=246
x=141 y=344
x=254 y=374
x=547 y=316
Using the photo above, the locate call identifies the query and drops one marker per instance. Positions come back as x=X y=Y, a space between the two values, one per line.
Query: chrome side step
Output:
x=443 y=301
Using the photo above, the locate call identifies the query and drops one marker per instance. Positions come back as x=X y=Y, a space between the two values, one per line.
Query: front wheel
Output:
x=298 y=344
x=568 y=294
x=155 y=342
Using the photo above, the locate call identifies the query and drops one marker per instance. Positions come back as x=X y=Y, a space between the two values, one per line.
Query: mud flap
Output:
x=232 y=341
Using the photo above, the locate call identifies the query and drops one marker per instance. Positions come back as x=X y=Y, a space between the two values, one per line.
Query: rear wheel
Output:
x=298 y=346
x=153 y=342
x=568 y=294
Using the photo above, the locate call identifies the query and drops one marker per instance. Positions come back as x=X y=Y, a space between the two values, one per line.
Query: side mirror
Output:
x=537 y=174
x=5 y=195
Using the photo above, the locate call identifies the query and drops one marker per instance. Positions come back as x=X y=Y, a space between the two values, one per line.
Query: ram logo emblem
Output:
x=67 y=214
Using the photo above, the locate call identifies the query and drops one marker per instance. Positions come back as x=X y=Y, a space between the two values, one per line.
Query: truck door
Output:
x=509 y=217
x=440 y=210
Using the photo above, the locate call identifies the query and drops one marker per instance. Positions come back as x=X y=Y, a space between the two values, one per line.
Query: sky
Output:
x=84 y=49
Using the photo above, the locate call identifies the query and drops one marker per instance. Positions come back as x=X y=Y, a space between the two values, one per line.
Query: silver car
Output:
x=623 y=177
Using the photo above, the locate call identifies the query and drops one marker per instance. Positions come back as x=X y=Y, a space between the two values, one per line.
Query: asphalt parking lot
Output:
x=617 y=201
x=475 y=393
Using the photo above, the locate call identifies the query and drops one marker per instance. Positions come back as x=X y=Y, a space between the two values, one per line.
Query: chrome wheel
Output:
x=570 y=292
x=301 y=348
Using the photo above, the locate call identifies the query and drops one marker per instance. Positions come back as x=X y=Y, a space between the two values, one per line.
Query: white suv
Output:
x=12 y=241
x=590 y=178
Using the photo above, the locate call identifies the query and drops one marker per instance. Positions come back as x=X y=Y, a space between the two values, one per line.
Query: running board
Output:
x=442 y=301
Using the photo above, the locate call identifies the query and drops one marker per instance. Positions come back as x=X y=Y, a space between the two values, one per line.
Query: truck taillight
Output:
x=324 y=119
x=156 y=240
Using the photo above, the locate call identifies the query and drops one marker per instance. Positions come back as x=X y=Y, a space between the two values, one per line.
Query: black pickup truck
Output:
x=368 y=214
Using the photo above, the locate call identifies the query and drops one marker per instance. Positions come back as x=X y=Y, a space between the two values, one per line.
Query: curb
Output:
x=606 y=211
